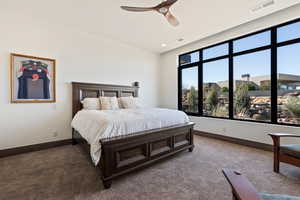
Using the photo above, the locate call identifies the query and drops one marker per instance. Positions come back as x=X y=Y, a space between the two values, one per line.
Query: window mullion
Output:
x=179 y=89
x=179 y=76
x=200 y=83
x=231 y=85
x=274 y=75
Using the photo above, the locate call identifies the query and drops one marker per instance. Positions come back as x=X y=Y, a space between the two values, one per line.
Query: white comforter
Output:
x=94 y=125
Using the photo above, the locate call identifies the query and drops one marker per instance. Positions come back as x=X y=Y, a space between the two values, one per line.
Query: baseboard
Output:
x=38 y=147
x=31 y=148
x=258 y=145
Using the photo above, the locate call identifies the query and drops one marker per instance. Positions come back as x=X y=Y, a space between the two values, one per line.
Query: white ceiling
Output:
x=147 y=30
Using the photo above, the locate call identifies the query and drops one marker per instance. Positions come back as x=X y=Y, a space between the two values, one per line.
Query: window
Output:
x=190 y=90
x=252 y=86
x=189 y=58
x=215 y=88
x=288 y=32
x=251 y=42
x=255 y=77
x=215 y=51
x=288 y=83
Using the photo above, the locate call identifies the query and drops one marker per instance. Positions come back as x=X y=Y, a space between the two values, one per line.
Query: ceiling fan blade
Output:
x=167 y=3
x=171 y=19
x=136 y=9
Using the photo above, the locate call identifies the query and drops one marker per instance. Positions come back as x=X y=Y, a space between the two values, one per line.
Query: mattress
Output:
x=94 y=125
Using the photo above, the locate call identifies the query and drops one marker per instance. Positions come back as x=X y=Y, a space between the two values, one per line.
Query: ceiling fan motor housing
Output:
x=162 y=8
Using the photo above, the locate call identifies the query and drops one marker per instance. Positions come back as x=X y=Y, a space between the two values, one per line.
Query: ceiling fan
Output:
x=163 y=8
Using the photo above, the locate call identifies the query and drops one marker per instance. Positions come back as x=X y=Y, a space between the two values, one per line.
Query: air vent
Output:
x=262 y=5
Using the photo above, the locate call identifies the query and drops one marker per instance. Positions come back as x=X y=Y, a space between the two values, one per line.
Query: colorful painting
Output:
x=32 y=79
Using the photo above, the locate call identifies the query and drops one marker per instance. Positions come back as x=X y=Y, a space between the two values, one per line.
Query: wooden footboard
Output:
x=128 y=153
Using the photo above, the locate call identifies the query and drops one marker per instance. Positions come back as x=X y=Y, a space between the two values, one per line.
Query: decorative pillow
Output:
x=91 y=103
x=109 y=103
x=131 y=102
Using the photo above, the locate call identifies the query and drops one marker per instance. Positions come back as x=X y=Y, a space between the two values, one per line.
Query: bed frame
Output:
x=124 y=154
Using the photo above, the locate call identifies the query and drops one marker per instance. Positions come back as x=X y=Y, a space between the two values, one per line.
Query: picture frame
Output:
x=32 y=79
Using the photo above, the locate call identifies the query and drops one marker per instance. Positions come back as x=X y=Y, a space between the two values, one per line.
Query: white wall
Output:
x=80 y=57
x=245 y=130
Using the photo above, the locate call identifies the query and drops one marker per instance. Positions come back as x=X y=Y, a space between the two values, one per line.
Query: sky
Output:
x=255 y=64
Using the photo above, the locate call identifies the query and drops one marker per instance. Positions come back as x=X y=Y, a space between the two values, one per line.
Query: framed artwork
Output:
x=32 y=79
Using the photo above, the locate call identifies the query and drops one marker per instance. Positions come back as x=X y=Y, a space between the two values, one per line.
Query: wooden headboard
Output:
x=83 y=90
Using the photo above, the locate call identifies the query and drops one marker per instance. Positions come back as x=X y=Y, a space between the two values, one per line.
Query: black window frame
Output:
x=272 y=47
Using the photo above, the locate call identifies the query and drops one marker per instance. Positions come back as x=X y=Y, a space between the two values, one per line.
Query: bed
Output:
x=127 y=153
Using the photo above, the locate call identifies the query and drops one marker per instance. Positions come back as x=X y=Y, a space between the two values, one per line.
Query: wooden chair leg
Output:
x=276 y=151
x=276 y=163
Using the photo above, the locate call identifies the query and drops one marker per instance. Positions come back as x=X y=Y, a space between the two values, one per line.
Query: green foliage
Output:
x=220 y=111
x=265 y=87
x=251 y=86
x=293 y=106
x=192 y=97
x=212 y=98
x=224 y=89
x=242 y=99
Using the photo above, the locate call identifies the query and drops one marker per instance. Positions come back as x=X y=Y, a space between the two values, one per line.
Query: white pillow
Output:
x=91 y=103
x=131 y=102
x=109 y=103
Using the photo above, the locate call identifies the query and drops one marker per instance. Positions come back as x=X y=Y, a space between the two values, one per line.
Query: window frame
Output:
x=272 y=47
x=271 y=72
x=210 y=61
x=187 y=66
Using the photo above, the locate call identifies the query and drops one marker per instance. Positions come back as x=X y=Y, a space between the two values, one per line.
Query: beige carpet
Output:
x=66 y=173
